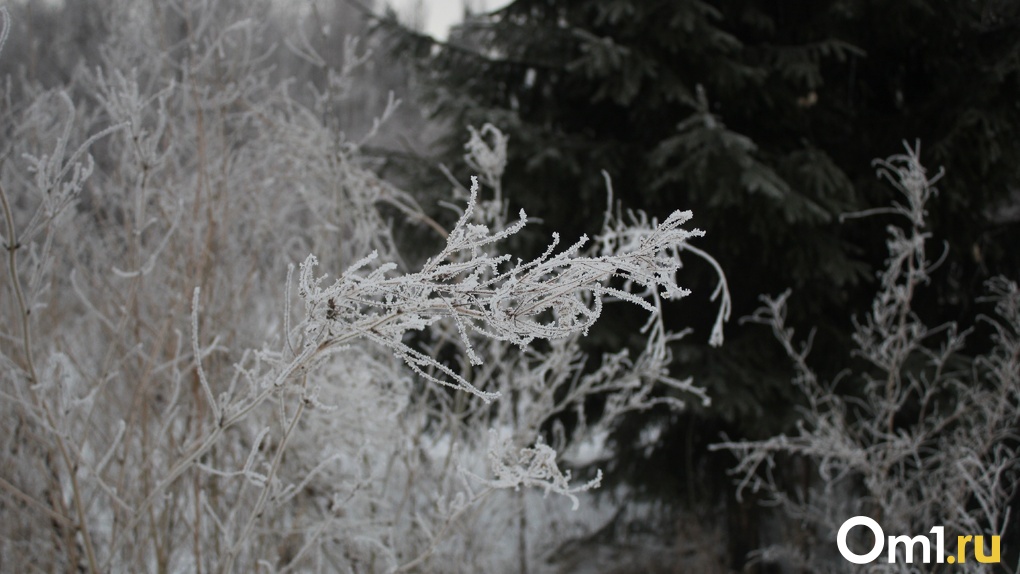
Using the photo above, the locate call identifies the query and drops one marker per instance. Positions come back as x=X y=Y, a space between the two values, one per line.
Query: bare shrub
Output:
x=178 y=397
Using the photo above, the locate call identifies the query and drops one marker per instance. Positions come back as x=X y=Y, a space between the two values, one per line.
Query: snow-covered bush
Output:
x=922 y=434
x=178 y=396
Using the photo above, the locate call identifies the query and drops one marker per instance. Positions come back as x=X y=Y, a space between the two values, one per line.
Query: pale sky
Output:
x=441 y=14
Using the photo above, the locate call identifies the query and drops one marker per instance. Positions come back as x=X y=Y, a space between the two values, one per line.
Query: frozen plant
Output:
x=550 y=297
x=921 y=435
x=543 y=384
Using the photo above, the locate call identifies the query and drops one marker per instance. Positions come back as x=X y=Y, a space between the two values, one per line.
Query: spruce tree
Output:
x=763 y=118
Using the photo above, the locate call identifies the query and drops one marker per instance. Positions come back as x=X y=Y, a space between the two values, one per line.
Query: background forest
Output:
x=298 y=287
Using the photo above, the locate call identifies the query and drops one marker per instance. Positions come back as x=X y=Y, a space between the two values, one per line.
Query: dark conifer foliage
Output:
x=763 y=117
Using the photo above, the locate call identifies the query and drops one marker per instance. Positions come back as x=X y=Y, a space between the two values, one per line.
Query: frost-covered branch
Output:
x=550 y=297
x=924 y=435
